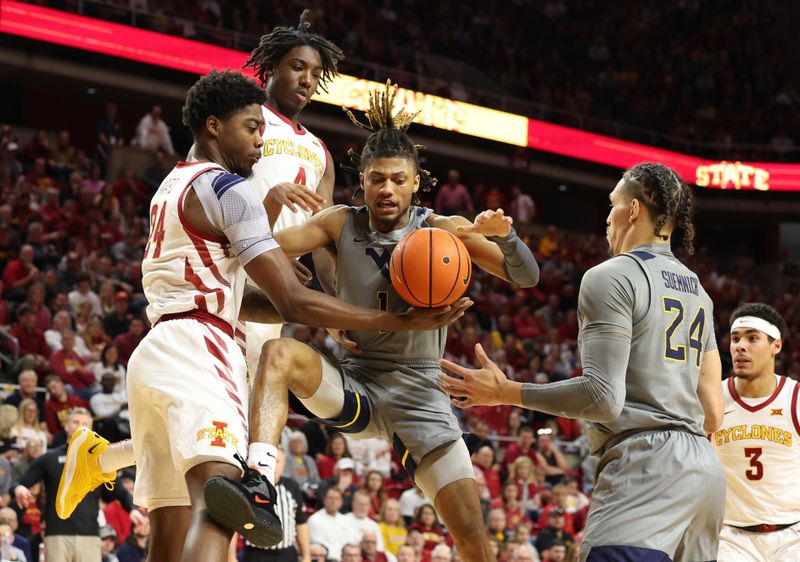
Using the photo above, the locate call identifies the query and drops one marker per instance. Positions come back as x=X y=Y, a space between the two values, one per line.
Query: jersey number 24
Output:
x=676 y=351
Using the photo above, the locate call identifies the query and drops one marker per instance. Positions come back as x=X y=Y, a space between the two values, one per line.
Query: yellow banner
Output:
x=438 y=112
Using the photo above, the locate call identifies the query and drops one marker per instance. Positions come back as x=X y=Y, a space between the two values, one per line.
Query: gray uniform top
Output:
x=362 y=278
x=645 y=322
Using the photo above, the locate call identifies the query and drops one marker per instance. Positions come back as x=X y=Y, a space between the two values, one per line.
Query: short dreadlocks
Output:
x=665 y=196
x=281 y=40
x=388 y=138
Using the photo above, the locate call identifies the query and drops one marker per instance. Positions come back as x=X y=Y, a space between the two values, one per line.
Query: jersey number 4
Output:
x=156 y=230
x=677 y=352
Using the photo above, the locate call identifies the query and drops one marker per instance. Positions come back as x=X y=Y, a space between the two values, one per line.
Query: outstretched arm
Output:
x=597 y=396
x=493 y=245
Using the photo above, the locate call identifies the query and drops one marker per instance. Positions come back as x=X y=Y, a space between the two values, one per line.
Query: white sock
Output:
x=263 y=457
x=118 y=456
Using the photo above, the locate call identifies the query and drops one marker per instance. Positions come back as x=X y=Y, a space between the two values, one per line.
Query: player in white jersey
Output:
x=759 y=444
x=187 y=379
x=291 y=64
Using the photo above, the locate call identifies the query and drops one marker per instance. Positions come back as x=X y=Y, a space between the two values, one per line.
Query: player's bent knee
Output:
x=282 y=356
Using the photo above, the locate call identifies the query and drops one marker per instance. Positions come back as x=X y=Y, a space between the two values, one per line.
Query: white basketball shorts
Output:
x=188 y=400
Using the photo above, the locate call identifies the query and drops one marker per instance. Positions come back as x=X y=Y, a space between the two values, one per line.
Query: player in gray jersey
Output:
x=386 y=384
x=650 y=386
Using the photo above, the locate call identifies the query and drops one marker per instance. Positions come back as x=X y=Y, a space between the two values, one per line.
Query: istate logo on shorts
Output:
x=219 y=435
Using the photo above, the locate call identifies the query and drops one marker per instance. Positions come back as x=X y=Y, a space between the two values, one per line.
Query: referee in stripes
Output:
x=296 y=543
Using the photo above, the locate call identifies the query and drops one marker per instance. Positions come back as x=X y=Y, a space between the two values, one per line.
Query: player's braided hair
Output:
x=665 y=196
x=388 y=138
x=219 y=94
x=765 y=312
x=281 y=40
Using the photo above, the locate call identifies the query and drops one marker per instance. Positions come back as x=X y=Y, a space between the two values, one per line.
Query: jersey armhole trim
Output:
x=649 y=288
x=187 y=226
x=795 y=421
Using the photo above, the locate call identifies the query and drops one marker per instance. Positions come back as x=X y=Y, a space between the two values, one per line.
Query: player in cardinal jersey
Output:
x=759 y=444
x=187 y=386
x=291 y=64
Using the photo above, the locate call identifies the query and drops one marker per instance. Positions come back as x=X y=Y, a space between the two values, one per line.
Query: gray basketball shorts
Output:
x=400 y=402
x=659 y=496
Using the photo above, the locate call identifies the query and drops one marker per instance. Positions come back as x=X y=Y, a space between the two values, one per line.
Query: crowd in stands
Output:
x=71 y=314
x=701 y=71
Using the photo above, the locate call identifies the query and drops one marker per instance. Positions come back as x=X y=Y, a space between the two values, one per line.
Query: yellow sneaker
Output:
x=81 y=472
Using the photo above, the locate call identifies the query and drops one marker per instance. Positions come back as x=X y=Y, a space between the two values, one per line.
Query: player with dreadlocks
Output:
x=385 y=385
x=651 y=384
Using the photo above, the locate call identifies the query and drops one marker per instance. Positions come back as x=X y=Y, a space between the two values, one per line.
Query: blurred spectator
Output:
x=369 y=549
x=410 y=502
x=359 y=521
x=372 y=485
x=108 y=544
x=558 y=503
x=152 y=133
x=28 y=426
x=71 y=367
x=441 y=553
x=555 y=464
x=549 y=244
x=7 y=549
x=20 y=274
x=406 y=554
x=553 y=531
x=351 y=553
x=299 y=466
x=452 y=197
x=134 y=549
x=118 y=322
x=427 y=523
x=111 y=410
x=523 y=209
x=525 y=553
x=94 y=184
x=33 y=350
x=64 y=154
x=34 y=448
x=109 y=132
x=27 y=390
x=335 y=449
x=156 y=172
x=512 y=507
x=127 y=342
x=342 y=480
x=557 y=551
x=62 y=322
x=109 y=363
x=84 y=294
x=521 y=471
x=329 y=527
x=393 y=530
x=9 y=517
x=496 y=526
x=58 y=406
x=483 y=461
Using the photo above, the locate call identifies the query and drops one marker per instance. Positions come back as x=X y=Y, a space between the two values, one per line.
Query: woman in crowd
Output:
x=28 y=426
x=335 y=450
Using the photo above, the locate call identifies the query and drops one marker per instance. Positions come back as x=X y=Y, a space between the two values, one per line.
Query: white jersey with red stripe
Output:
x=290 y=154
x=759 y=446
x=184 y=269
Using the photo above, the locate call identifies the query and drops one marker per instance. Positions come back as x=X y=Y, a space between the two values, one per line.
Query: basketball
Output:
x=430 y=267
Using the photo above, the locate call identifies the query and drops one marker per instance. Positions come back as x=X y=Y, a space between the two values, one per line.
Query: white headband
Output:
x=755 y=323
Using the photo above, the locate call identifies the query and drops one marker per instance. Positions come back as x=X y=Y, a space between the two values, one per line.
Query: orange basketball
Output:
x=430 y=268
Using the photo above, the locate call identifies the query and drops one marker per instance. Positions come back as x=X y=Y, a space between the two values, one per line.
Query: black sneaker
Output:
x=246 y=506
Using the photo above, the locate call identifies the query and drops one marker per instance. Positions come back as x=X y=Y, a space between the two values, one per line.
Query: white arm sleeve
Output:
x=231 y=205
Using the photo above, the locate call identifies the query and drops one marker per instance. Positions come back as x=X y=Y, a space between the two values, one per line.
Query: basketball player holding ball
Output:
x=386 y=383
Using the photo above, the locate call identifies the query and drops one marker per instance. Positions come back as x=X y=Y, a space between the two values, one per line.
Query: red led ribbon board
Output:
x=71 y=30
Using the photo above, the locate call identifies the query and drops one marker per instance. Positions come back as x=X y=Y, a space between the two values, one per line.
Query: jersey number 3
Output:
x=677 y=352
x=757 y=470
x=156 y=230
